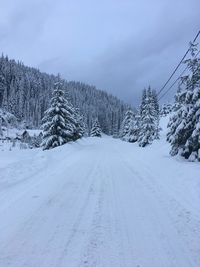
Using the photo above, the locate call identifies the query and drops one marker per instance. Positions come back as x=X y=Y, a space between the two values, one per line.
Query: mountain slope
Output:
x=26 y=93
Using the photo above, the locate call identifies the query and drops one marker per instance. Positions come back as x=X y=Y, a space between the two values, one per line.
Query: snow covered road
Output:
x=99 y=202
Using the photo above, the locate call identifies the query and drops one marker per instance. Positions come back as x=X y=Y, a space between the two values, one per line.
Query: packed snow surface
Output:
x=99 y=202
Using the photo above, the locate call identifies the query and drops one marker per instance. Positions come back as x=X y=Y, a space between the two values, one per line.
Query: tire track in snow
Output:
x=108 y=234
x=162 y=198
x=187 y=226
x=40 y=219
x=81 y=214
x=95 y=241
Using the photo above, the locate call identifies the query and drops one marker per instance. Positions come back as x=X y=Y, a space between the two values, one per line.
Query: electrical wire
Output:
x=176 y=80
x=178 y=64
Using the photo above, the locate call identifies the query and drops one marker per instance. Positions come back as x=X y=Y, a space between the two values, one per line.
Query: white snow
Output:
x=99 y=202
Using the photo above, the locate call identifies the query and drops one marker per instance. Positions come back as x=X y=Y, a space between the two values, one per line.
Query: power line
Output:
x=178 y=65
x=172 y=84
x=176 y=80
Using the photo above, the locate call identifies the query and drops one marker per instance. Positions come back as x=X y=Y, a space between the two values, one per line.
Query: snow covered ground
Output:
x=99 y=202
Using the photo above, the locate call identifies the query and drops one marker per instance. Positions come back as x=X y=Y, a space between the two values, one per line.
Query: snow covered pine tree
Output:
x=80 y=125
x=126 y=127
x=135 y=129
x=156 y=110
x=58 y=122
x=165 y=109
x=148 y=124
x=184 y=125
x=96 y=129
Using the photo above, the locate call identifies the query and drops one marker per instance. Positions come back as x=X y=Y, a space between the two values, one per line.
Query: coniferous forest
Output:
x=26 y=93
x=27 y=96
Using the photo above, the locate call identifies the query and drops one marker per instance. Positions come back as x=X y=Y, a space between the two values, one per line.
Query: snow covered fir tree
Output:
x=135 y=129
x=149 y=118
x=142 y=126
x=166 y=109
x=147 y=125
x=184 y=125
x=80 y=128
x=127 y=126
x=59 y=122
x=155 y=110
x=96 y=129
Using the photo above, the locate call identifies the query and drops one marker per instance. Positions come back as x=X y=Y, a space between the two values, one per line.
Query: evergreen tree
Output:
x=58 y=122
x=1 y=131
x=127 y=125
x=79 y=126
x=96 y=129
x=135 y=129
x=155 y=102
x=165 y=109
x=155 y=111
x=115 y=125
x=36 y=141
x=184 y=125
x=148 y=126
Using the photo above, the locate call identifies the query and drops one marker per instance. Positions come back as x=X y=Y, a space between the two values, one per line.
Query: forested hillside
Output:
x=26 y=93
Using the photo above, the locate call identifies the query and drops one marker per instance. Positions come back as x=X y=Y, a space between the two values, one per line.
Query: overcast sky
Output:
x=120 y=46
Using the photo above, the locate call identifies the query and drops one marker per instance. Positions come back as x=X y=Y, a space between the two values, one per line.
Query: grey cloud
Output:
x=118 y=45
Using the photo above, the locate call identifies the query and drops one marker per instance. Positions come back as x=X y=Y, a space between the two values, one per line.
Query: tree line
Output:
x=71 y=109
x=26 y=93
x=142 y=126
x=184 y=123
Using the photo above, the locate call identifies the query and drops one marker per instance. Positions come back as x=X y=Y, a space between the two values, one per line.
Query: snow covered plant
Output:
x=149 y=118
x=143 y=126
x=96 y=129
x=127 y=132
x=184 y=126
x=166 y=109
x=7 y=119
x=80 y=128
x=59 y=123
